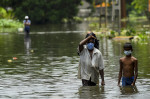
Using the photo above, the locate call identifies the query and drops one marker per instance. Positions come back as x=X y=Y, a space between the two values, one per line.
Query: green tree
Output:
x=43 y=11
x=3 y=12
x=141 y=6
x=90 y=1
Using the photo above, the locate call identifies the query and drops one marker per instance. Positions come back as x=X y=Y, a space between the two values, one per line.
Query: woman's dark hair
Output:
x=96 y=44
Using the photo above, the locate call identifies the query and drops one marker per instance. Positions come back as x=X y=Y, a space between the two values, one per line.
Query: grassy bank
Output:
x=9 y=25
x=137 y=27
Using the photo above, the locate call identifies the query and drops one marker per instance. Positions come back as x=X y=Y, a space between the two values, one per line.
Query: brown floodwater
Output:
x=47 y=61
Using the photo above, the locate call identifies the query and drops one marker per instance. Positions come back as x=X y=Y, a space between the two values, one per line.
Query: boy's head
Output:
x=128 y=49
x=128 y=46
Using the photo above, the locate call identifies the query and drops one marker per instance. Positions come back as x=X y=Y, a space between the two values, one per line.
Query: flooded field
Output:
x=44 y=66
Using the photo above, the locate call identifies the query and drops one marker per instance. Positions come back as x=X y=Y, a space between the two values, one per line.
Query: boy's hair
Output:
x=127 y=45
x=96 y=45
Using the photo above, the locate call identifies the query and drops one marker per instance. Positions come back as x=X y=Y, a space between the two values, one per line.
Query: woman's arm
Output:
x=102 y=76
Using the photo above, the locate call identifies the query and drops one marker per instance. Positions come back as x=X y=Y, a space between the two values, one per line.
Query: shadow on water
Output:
x=128 y=90
x=91 y=92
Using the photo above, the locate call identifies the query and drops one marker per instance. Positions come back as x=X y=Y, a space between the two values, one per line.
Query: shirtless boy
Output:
x=128 y=67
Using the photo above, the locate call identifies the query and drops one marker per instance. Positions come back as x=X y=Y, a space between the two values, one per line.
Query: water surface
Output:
x=47 y=66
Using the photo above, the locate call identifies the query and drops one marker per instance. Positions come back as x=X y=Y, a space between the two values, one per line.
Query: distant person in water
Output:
x=91 y=63
x=27 y=24
x=128 y=67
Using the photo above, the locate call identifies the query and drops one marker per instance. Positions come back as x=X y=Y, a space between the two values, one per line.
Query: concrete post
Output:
x=106 y=1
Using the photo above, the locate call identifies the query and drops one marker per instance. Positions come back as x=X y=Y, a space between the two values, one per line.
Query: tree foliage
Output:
x=43 y=11
x=7 y=14
x=3 y=12
x=140 y=5
x=90 y=1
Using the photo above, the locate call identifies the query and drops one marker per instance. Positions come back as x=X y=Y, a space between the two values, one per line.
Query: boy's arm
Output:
x=120 y=72
x=136 y=72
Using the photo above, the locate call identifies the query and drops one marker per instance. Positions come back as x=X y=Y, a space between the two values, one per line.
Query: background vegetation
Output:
x=54 y=11
x=43 y=11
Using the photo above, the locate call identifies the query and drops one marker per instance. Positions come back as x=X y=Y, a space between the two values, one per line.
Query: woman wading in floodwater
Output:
x=91 y=61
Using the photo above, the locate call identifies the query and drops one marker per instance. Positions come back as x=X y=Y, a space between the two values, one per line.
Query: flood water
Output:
x=46 y=66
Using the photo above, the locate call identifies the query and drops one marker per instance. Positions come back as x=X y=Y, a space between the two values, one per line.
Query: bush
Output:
x=43 y=11
x=10 y=23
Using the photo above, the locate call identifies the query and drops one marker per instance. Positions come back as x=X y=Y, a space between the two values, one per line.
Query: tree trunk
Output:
x=123 y=9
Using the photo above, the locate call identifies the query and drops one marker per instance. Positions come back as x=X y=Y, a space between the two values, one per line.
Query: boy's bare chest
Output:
x=128 y=63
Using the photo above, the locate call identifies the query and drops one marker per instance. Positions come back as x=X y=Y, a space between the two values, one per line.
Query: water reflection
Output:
x=91 y=92
x=128 y=90
x=27 y=42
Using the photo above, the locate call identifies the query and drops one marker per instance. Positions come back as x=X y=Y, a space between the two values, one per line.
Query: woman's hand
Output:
x=91 y=36
x=102 y=83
